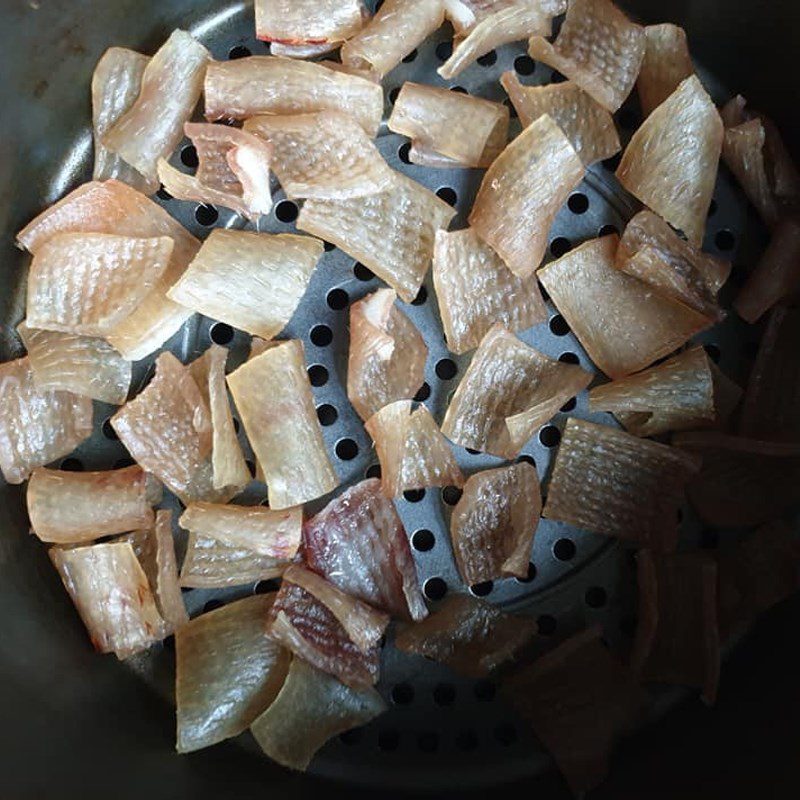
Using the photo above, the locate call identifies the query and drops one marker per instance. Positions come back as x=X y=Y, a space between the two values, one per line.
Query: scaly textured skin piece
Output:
x=666 y=64
x=309 y=21
x=522 y=192
x=412 y=451
x=36 y=426
x=469 y=130
x=470 y=636
x=82 y=365
x=623 y=324
x=171 y=86
x=227 y=672
x=88 y=283
x=282 y=426
x=253 y=281
x=324 y=155
x=508 y=392
x=391 y=233
x=248 y=87
x=588 y=126
x=494 y=522
x=311 y=708
x=671 y=162
x=610 y=482
x=112 y=595
x=387 y=354
x=476 y=290
x=72 y=507
x=358 y=543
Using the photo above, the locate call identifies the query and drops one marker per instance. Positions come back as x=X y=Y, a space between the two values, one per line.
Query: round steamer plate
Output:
x=455 y=732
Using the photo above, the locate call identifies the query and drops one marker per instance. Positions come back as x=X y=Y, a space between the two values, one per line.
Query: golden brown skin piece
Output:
x=666 y=63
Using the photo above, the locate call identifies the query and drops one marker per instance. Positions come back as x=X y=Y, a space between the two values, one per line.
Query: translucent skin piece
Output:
x=308 y=21
x=579 y=700
x=325 y=155
x=470 y=636
x=73 y=507
x=171 y=86
x=309 y=51
x=493 y=524
x=113 y=207
x=522 y=192
x=359 y=544
x=391 y=232
x=257 y=85
x=677 y=640
x=465 y=15
x=666 y=63
x=508 y=392
x=262 y=530
x=671 y=162
x=36 y=426
x=112 y=595
x=610 y=482
x=82 y=365
x=621 y=322
x=598 y=48
x=253 y=281
x=588 y=126
x=397 y=28
x=466 y=129
x=88 y=283
x=304 y=624
x=116 y=83
x=282 y=426
x=227 y=672
x=311 y=708
x=387 y=354
x=167 y=427
x=412 y=451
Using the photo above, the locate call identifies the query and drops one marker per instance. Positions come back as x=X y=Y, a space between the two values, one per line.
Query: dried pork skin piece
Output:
x=114 y=207
x=264 y=531
x=468 y=130
x=609 y=482
x=74 y=507
x=587 y=125
x=598 y=48
x=579 y=700
x=88 y=283
x=324 y=155
x=390 y=233
x=311 y=708
x=771 y=407
x=359 y=544
x=395 y=30
x=249 y=87
x=470 y=636
x=671 y=162
x=465 y=15
x=776 y=276
x=252 y=281
x=303 y=624
x=116 y=83
x=112 y=596
x=621 y=322
x=171 y=86
x=282 y=426
x=84 y=365
x=387 y=354
x=302 y=50
x=522 y=192
x=666 y=63
x=167 y=428
x=36 y=426
x=411 y=449
x=312 y=22
x=227 y=672
x=494 y=522
x=507 y=393
x=677 y=640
